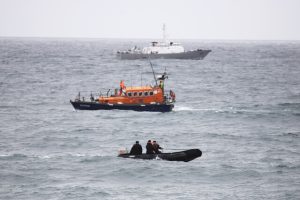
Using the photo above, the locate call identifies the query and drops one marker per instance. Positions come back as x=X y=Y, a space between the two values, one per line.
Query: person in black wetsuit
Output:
x=149 y=148
x=136 y=149
x=156 y=147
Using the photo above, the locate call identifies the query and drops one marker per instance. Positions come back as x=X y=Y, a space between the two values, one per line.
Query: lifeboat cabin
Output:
x=142 y=98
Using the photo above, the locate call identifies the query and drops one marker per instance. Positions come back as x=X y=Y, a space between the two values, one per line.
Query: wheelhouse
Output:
x=136 y=95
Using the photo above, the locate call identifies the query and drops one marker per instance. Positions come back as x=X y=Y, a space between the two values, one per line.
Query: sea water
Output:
x=240 y=106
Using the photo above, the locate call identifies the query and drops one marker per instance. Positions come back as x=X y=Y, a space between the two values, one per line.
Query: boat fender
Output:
x=122 y=151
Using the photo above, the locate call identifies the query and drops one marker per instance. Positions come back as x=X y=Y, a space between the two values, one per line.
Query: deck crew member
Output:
x=122 y=87
x=92 y=97
x=136 y=149
x=149 y=148
x=172 y=95
x=161 y=85
x=156 y=147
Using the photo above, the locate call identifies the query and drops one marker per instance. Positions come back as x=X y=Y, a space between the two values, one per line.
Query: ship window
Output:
x=146 y=93
x=140 y=93
x=135 y=94
x=129 y=94
x=151 y=93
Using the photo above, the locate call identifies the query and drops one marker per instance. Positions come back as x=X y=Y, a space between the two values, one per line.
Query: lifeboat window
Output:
x=151 y=93
x=129 y=94
x=146 y=93
x=140 y=93
x=135 y=94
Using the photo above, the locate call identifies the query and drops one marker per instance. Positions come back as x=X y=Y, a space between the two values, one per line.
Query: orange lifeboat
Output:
x=143 y=98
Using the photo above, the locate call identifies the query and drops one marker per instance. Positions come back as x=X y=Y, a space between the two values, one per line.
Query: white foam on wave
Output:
x=184 y=108
x=215 y=110
x=49 y=156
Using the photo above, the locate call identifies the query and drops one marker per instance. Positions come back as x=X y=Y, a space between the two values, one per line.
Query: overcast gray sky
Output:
x=185 y=19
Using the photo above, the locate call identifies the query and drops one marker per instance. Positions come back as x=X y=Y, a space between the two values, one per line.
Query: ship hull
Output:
x=192 y=55
x=82 y=105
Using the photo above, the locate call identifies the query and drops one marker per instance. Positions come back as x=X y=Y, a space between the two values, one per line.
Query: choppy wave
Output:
x=234 y=105
x=15 y=156
x=291 y=134
x=288 y=166
x=292 y=105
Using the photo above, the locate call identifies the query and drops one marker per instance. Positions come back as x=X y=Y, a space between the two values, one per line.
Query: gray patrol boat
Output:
x=167 y=50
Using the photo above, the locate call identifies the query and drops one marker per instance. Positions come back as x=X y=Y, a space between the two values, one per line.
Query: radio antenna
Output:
x=153 y=71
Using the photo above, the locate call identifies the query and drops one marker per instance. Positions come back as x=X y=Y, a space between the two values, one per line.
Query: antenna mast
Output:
x=141 y=76
x=164 y=33
x=153 y=71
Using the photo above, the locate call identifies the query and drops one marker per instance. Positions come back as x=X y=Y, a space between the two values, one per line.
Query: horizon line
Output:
x=155 y=39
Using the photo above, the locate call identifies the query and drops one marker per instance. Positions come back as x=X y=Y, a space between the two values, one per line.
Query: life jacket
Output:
x=122 y=85
x=122 y=88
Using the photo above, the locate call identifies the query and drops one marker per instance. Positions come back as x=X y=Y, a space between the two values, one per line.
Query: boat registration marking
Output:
x=84 y=105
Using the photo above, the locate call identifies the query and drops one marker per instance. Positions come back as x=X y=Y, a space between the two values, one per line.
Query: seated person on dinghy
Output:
x=156 y=147
x=149 y=148
x=136 y=149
